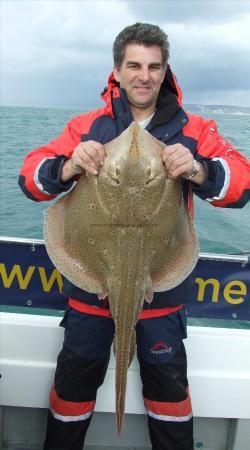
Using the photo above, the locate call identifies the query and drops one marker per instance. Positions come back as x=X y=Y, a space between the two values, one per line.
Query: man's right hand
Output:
x=87 y=157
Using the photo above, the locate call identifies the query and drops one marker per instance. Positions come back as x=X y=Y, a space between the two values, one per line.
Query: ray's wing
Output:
x=174 y=244
x=72 y=243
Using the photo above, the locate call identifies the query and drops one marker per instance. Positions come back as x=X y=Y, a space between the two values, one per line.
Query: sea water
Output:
x=220 y=230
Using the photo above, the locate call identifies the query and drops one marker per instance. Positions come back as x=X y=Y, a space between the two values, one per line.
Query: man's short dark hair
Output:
x=140 y=33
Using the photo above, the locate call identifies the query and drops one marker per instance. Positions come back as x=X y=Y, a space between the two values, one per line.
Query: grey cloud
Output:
x=68 y=61
x=210 y=80
x=221 y=71
x=186 y=11
x=218 y=97
x=53 y=89
x=48 y=34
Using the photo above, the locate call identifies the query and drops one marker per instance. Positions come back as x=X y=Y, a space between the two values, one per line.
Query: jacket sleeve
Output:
x=40 y=174
x=228 y=171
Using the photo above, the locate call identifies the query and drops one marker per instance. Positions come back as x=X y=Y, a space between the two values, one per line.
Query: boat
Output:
x=218 y=348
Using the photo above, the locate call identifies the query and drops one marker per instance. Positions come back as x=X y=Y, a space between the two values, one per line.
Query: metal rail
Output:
x=243 y=259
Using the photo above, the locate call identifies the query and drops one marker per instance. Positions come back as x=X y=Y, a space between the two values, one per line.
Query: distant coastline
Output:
x=218 y=109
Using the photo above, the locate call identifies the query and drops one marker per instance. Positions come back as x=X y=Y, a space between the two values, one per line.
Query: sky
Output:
x=59 y=52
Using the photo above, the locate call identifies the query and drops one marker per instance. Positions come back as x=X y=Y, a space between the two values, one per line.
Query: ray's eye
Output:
x=116 y=176
x=149 y=175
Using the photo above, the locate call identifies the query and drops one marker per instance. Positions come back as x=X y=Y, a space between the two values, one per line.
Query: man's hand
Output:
x=87 y=156
x=179 y=162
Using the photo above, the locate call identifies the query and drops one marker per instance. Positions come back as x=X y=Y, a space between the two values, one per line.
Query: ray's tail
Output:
x=122 y=365
x=126 y=296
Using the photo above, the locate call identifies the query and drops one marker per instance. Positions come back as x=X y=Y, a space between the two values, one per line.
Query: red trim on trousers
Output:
x=67 y=408
x=145 y=314
x=177 y=409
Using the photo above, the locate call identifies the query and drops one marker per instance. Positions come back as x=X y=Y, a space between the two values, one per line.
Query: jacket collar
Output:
x=165 y=131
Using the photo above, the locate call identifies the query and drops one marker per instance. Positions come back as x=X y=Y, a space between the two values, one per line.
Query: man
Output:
x=141 y=88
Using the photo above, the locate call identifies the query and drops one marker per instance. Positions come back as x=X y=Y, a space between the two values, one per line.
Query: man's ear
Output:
x=116 y=74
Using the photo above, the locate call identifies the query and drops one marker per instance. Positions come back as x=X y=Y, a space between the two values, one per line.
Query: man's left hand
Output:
x=179 y=162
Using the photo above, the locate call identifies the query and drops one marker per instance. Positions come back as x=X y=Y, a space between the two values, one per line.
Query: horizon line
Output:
x=90 y=107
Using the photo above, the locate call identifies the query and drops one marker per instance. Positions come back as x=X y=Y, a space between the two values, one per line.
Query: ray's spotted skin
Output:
x=125 y=232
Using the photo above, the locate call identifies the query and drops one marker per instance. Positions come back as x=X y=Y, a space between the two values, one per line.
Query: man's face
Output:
x=141 y=74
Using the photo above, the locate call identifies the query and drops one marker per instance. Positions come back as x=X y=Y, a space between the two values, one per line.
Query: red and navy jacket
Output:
x=227 y=182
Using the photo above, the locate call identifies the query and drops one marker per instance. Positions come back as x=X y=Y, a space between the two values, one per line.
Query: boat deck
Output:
x=23 y=429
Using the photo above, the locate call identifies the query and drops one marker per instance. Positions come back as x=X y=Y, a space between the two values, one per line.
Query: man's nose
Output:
x=144 y=74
